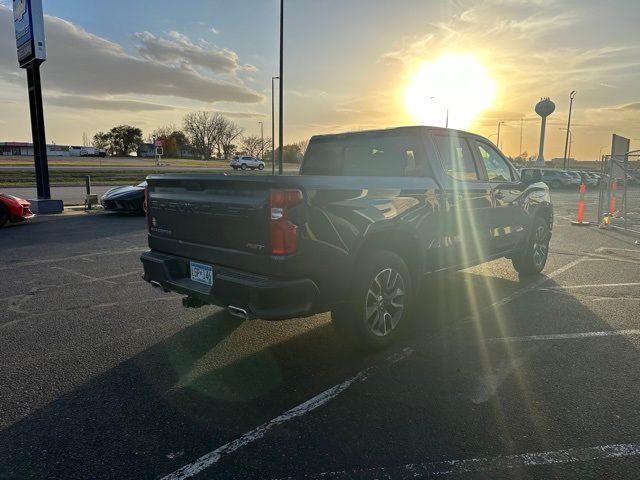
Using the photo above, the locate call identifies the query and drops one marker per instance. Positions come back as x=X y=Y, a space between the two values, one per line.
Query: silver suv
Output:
x=243 y=162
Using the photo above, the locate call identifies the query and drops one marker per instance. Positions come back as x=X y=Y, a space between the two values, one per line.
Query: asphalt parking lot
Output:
x=104 y=377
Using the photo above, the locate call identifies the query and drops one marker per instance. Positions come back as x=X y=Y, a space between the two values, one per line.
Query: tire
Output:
x=243 y=166
x=380 y=301
x=533 y=257
x=5 y=216
x=260 y=167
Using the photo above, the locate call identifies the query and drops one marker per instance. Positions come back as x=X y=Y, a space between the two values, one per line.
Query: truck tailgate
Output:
x=215 y=212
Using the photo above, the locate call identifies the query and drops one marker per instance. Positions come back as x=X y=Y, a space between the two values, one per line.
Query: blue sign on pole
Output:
x=29 y=26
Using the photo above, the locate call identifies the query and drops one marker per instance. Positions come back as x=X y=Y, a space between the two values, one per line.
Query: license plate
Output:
x=201 y=273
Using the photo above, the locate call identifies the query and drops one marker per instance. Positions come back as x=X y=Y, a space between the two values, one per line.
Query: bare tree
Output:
x=202 y=130
x=251 y=145
x=302 y=146
x=229 y=132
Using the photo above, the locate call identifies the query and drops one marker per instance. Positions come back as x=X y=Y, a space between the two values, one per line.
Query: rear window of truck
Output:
x=396 y=156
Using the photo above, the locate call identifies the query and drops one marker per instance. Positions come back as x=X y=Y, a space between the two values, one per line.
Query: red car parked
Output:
x=14 y=209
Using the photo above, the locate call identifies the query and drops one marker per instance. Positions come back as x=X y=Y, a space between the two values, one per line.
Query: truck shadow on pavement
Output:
x=71 y=230
x=178 y=400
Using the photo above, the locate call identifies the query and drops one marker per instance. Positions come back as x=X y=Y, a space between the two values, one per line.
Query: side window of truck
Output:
x=383 y=156
x=497 y=168
x=456 y=156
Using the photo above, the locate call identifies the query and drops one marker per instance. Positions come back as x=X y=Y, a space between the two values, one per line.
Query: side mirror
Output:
x=531 y=176
x=536 y=176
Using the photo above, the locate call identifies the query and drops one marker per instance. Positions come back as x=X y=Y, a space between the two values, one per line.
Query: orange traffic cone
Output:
x=580 y=221
x=612 y=200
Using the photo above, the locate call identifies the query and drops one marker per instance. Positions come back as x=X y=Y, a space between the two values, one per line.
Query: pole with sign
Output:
x=159 y=152
x=28 y=21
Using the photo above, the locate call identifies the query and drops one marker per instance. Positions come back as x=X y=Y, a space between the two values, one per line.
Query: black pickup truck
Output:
x=369 y=215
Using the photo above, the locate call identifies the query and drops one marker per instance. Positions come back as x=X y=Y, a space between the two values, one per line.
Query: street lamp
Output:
x=281 y=99
x=498 y=138
x=600 y=152
x=566 y=142
x=262 y=140
x=446 y=122
x=273 y=128
x=570 y=139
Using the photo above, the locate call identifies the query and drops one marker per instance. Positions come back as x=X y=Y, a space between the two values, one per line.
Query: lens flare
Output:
x=453 y=85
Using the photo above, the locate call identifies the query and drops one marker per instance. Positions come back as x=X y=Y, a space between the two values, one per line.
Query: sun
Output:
x=456 y=86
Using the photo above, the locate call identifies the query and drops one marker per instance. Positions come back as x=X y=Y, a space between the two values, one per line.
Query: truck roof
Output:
x=410 y=129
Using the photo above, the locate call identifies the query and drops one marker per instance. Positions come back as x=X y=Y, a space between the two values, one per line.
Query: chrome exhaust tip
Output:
x=155 y=284
x=238 y=312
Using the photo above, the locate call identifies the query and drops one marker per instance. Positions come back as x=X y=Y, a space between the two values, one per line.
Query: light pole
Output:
x=521 y=127
x=600 y=152
x=273 y=127
x=281 y=99
x=262 y=140
x=446 y=121
x=498 y=139
x=566 y=142
x=570 y=141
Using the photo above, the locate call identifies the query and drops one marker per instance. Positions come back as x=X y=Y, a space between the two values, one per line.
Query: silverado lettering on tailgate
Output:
x=161 y=205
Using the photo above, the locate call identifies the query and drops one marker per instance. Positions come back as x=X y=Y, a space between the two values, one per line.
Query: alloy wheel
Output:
x=384 y=304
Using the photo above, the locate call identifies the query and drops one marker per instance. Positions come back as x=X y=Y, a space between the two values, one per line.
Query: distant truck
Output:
x=353 y=234
x=92 y=152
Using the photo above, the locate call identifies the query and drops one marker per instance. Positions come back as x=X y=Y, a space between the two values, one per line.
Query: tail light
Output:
x=284 y=234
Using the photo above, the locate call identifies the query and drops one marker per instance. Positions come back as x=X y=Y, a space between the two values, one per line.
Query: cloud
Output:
x=96 y=103
x=243 y=114
x=632 y=107
x=80 y=63
x=214 y=30
x=178 y=49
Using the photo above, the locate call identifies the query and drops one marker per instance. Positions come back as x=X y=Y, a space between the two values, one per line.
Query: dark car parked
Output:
x=125 y=199
x=370 y=214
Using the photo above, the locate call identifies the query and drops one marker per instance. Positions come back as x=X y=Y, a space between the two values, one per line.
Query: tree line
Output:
x=204 y=135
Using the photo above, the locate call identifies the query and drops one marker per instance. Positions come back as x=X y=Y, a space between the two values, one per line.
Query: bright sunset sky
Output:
x=349 y=64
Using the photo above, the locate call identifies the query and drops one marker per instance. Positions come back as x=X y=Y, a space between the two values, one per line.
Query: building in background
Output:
x=25 y=149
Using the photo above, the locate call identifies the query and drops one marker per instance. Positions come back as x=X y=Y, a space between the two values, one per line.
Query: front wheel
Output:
x=533 y=257
x=260 y=167
x=379 y=302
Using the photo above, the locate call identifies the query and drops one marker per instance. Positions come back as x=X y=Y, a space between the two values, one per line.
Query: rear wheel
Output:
x=243 y=166
x=5 y=216
x=533 y=257
x=379 y=302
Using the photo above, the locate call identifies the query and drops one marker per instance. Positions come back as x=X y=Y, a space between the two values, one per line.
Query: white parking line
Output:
x=214 y=456
x=46 y=261
x=599 y=285
x=532 y=286
x=566 y=336
x=487 y=464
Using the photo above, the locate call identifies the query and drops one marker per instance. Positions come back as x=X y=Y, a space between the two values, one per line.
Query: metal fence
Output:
x=619 y=196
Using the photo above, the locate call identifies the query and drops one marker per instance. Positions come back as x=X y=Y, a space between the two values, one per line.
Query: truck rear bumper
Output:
x=262 y=297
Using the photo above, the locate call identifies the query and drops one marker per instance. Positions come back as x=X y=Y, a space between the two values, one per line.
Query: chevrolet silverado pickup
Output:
x=370 y=214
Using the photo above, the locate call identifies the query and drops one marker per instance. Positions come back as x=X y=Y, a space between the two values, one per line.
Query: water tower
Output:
x=544 y=108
